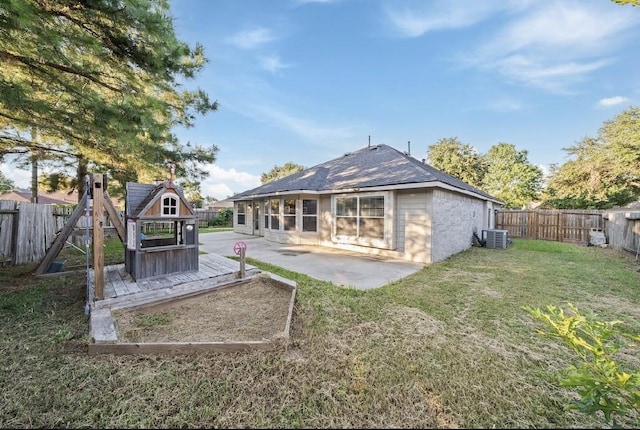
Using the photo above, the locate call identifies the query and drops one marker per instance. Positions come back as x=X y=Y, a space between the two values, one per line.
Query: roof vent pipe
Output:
x=409 y=147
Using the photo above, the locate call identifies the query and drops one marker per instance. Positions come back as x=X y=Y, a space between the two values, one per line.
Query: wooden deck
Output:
x=119 y=286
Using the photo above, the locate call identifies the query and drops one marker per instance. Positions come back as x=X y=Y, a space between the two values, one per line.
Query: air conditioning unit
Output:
x=496 y=239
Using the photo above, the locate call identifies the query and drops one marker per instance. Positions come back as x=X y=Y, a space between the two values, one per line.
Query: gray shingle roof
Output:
x=140 y=195
x=375 y=166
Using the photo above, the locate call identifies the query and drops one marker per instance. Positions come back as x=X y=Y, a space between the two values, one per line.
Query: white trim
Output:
x=387 y=241
x=175 y=198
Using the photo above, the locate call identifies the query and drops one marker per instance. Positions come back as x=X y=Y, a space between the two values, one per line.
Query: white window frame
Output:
x=358 y=239
x=243 y=213
x=288 y=216
x=172 y=198
x=276 y=215
x=304 y=215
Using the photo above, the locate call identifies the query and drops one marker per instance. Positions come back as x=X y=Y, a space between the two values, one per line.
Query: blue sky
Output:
x=308 y=80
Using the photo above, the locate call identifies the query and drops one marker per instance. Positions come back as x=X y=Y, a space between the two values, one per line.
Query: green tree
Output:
x=510 y=176
x=624 y=2
x=6 y=184
x=279 y=172
x=99 y=82
x=192 y=193
x=457 y=159
x=602 y=172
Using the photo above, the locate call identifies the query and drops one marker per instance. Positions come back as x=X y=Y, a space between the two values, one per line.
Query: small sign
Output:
x=238 y=246
x=131 y=234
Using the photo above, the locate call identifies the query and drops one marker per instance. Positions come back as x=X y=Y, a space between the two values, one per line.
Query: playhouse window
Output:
x=170 y=205
x=159 y=233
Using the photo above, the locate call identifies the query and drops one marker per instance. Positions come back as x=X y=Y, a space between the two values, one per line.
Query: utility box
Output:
x=496 y=239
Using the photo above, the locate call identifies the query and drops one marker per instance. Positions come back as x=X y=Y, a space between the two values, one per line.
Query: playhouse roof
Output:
x=140 y=196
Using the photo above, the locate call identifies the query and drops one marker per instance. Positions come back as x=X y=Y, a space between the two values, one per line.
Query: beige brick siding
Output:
x=454 y=218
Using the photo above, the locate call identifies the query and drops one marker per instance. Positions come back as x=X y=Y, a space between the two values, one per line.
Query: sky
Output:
x=306 y=81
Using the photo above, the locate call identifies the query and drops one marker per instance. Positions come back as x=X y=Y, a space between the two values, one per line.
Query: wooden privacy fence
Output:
x=559 y=225
x=27 y=230
x=623 y=230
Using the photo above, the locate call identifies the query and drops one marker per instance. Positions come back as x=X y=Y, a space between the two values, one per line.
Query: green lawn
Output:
x=449 y=346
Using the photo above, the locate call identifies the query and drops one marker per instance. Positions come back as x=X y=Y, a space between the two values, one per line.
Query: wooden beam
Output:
x=174 y=348
x=98 y=236
x=113 y=216
x=59 y=242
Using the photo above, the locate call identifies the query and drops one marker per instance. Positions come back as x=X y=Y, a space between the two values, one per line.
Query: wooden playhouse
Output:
x=161 y=231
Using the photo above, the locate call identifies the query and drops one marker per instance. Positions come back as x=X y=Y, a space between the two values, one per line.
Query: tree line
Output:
x=603 y=171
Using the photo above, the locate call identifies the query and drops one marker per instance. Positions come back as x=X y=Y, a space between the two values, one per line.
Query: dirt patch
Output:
x=253 y=311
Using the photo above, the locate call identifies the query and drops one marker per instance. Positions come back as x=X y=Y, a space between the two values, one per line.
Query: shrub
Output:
x=602 y=383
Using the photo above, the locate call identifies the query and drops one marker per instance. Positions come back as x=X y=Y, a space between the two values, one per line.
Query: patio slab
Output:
x=346 y=268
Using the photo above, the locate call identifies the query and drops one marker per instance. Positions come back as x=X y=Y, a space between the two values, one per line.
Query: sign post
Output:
x=240 y=249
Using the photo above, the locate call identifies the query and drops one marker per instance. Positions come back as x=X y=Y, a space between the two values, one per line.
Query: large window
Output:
x=242 y=213
x=309 y=215
x=360 y=217
x=289 y=216
x=170 y=205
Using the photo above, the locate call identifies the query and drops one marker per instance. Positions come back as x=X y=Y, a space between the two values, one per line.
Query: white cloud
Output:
x=554 y=77
x=612 y=101
x=416 y=20
x=253 y=38
x=223 y=183
x=308 y=129
x=505 y=105
x=20 y=177
x=273 y=64
x=555 y=44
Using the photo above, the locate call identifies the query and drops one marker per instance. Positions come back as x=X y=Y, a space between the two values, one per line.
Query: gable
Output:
x=145 y=200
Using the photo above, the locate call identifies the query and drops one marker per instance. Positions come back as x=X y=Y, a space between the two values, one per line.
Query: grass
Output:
x=449 y=346
x=76 y=258
x=213 y=229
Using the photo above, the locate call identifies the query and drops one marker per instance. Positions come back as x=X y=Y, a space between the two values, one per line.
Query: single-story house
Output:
x=219 y=204
x=46 y=198
x=376 y=200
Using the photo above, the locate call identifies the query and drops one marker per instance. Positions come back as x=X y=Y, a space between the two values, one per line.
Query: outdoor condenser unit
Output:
x=496 y=239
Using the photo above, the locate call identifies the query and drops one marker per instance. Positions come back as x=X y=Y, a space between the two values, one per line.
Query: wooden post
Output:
x=242 y=261
x=98 y=236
